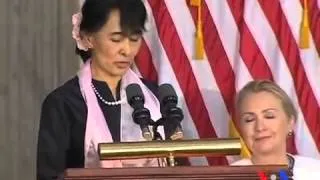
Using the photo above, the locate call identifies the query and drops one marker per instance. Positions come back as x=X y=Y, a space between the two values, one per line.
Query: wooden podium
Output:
x=174 y=173
x=171 y=150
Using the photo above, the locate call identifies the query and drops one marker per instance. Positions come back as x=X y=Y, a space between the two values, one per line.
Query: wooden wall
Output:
x=37 y=55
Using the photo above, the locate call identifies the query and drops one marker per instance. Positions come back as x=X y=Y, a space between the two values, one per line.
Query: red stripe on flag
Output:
x=251 y=54
x=145 y=64
x=249 y=50
x=183 y=71
x=290 y=50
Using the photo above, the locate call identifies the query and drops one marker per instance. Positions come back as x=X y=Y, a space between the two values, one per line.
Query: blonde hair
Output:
x=257 y=86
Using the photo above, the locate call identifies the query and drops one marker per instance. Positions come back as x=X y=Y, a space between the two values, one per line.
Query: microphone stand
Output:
x=157 y=137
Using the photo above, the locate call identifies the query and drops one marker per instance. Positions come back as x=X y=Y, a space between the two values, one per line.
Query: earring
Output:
x=290 y=133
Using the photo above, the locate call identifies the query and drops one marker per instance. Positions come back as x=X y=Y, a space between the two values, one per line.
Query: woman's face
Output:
x=112 y=50
x=264 y=124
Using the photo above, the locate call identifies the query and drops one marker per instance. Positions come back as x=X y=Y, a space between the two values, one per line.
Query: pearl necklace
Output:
x=114 y=103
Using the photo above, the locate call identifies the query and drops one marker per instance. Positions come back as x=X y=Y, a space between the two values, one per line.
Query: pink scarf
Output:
x=97 y=130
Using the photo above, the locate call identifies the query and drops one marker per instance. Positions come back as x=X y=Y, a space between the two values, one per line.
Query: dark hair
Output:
x=95 y=14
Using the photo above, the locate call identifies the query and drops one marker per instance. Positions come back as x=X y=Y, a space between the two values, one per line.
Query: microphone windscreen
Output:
x=133 y=92
x=166 y=90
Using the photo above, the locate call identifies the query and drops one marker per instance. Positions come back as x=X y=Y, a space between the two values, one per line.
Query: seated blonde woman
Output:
x=266 y=117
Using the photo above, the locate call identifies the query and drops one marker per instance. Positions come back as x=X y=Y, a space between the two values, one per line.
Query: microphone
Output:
x=172 y=114
x=140 y=114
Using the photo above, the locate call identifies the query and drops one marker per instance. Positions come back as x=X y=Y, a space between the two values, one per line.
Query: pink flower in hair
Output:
x=76 y=21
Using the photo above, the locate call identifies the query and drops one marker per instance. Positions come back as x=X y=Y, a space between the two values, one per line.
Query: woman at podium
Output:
x=92 y=107
x=266 y=117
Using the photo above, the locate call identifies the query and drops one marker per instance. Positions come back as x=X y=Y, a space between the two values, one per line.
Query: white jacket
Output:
x=305 y=168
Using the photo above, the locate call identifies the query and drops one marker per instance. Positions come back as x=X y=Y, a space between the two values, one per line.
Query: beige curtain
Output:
x=37 y=55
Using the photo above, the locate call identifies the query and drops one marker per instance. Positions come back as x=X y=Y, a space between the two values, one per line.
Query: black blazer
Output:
x=62 y=127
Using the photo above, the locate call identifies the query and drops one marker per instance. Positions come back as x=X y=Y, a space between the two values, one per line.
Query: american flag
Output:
x=242 y=40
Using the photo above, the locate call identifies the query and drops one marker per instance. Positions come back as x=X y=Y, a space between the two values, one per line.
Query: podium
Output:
x=175 y=173
x=172 y=150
